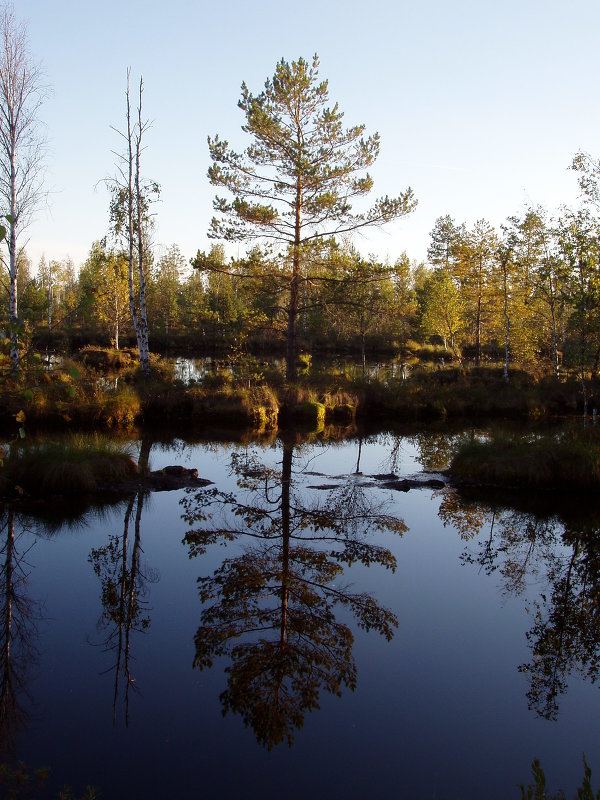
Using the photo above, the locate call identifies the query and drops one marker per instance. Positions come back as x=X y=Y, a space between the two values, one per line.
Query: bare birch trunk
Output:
x=21 y=147
x=13 y=298
x=143 y=319
x=135 y=234
x=130 y=219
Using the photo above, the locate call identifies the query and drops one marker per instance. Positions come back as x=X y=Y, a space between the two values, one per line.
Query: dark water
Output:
x=263 y=637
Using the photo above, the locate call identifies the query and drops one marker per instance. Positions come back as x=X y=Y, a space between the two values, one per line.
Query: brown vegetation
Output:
x=103 y=389
x=570 y=462
x=74 y=466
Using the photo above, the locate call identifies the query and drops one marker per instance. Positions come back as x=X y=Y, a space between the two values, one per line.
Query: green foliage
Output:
x=304 y=362
x=164 y=290
x=294 y=102
x=20 y=782
x=103 y=290
x=443 y=311
x=311 y=411
x=445 y=242
x=294 y=185
x=537 y=789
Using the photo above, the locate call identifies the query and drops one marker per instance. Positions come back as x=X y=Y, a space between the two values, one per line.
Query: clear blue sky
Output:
x=480 y=105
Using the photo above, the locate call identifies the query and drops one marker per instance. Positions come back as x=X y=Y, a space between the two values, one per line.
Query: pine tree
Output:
x=296 y=182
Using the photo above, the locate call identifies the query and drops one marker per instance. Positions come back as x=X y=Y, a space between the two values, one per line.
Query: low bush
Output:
x=76 y=465
x=218 y=380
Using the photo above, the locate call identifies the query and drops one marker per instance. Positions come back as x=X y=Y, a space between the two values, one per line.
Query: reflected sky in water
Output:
x=411 y=643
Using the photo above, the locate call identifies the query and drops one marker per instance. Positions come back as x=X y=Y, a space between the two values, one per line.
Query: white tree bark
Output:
x=22 y=146
x=143 y=346
x=129 y=187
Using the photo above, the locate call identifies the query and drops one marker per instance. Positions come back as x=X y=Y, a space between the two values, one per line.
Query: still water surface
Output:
x=300 y=628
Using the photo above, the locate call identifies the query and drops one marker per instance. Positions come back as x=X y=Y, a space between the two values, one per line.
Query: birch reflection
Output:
x=18 y=631
x=274 y=608
x=124 y=607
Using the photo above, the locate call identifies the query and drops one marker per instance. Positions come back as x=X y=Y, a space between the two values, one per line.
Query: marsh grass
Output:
x=568 y=462
x=107 y=358
x=539 y=791
x=455 y=392
x=78 y=464
x=77 y=395
x=239 y=407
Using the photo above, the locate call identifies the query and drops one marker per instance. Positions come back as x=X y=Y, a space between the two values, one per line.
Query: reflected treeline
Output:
x=436 y=448
x=124 y=580
x=566 y=632
x=279 y=609
x=18 y=630
x=559 y=555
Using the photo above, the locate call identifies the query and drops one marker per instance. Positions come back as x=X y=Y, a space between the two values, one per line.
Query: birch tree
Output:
x=443 y=310
x=474 y=268
x=22 y=147
x=132 y=196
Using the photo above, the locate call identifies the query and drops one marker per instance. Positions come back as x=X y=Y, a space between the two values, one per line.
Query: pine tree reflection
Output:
x=124 y=587
x=18 y=631
x=560 y=554
x=274 y=609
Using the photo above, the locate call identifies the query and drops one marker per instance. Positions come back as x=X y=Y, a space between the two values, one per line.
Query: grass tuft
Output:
x=570 y=462
x=78 y=464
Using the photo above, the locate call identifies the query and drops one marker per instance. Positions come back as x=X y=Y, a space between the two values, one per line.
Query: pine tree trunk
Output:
x=290 y=353
x=143 y=346
x=554 y=331
x=286 y=477
x=478 y=333
x=291 y=372
x=116 y=323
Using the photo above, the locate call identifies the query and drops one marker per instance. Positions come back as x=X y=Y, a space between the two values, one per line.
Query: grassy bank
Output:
x=102 y=389
x=76 y=465
x=568 y=463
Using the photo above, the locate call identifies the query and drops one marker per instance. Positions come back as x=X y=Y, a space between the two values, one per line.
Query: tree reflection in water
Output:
x=562 y=553
x=124 y=580
x=18 y=631
x=272 y=609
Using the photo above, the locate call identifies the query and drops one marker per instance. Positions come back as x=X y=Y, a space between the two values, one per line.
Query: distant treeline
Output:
x=528 y=294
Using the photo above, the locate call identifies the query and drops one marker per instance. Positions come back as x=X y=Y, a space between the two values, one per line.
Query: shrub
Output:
x=218 y=380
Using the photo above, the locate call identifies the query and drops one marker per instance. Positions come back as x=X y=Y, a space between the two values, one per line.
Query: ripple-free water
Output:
x=352 y=640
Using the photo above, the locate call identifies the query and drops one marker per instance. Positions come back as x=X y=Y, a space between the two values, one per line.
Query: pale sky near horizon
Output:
x=480 y=105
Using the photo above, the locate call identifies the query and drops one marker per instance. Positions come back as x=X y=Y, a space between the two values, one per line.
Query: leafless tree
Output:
x=131 y=219
x=22 y=145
